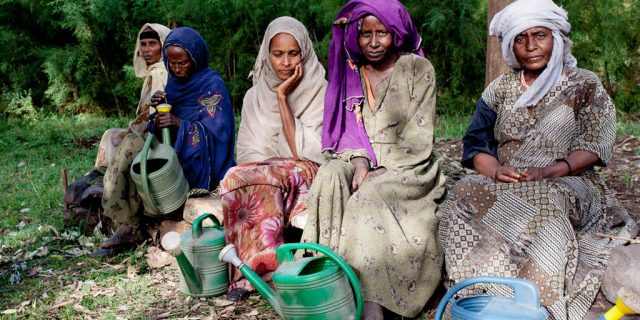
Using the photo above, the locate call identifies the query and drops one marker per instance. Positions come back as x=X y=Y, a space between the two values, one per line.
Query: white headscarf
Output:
x=139 y=65
x=525 y=14
x=261 y=135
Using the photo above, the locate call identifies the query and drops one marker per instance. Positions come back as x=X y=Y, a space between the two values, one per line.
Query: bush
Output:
x=75 y=55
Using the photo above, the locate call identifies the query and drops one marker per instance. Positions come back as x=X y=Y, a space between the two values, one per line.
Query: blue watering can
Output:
x=524 y=306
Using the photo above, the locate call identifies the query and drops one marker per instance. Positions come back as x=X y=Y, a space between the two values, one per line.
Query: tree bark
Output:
x=495 y=62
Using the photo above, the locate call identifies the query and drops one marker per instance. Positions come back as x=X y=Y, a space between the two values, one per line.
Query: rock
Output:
x=622 y=271
x=194 y=207
x=157 y=231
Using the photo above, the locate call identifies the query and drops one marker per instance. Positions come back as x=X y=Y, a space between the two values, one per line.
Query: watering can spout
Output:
x=229 y=255
x=171 y=243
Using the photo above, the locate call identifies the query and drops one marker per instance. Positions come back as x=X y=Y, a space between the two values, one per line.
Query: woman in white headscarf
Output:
x=278 y=148
x=535 y=207
x=147 y=64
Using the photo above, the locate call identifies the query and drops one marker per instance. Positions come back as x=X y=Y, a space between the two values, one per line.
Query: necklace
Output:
x=522 y=81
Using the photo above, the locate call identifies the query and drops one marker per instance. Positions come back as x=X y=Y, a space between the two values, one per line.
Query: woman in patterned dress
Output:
x=202 y=126
x=147 y=64
x=535 y=137
x=375 y=201
x=278 y=149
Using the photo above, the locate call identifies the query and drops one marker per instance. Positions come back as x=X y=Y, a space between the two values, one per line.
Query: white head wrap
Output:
x=525 y=14
x=261 y=135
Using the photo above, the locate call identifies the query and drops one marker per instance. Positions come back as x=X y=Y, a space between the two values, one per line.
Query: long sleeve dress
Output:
x=386 y=230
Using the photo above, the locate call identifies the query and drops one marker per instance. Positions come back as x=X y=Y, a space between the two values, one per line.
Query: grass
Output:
x=31 y=224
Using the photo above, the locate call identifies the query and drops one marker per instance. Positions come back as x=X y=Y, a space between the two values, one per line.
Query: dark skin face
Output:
x=284 y=54
x=179 y=62
x=376 y=42
x=533 y=48
x=151 y=50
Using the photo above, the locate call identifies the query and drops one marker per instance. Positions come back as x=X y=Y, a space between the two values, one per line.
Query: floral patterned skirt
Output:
x=257 y=208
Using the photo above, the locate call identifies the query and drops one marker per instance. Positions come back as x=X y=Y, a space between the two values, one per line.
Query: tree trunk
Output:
x=495 y=62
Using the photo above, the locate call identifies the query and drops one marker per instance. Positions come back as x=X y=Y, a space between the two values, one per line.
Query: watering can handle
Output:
x=166 y=136
x=151 y=140
x=285 y=253
x=196 y=227
x=525 y=293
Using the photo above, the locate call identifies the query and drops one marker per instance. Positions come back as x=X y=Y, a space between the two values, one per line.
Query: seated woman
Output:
x=147 y=64
x=202 y=125
x=535 y=137
x=278 y=149
x=375 y=201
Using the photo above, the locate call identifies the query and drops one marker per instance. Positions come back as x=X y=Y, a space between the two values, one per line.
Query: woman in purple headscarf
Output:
x=375 y=201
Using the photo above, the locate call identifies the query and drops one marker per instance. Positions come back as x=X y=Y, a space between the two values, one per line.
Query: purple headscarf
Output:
x=340 y=131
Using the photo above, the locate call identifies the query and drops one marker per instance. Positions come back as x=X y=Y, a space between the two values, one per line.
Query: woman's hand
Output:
x=506 y=174
x=362 y=169
x=308 y=169
x=166 y=119
x=372 y=174
x=158 y=97
x=285 y=88
x=533 y=174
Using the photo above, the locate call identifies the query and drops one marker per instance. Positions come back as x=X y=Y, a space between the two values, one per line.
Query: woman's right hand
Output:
x=362 y=169
x=308 y=169
x=506 y=174
x=158 y=97
x=285 y=88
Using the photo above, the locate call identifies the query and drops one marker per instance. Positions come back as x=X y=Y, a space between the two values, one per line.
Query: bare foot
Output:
x=124 y=236
x=372 y=311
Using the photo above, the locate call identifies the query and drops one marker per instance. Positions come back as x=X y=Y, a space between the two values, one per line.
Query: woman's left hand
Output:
x=166 y=119
x=285 y=88
x=533 y=174
x=372 y=174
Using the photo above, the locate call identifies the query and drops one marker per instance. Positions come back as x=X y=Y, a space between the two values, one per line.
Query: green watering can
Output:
x=320 y=287
x=201 y=274
x=158 y=175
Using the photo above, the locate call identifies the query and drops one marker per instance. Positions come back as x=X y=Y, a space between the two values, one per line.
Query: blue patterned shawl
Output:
x=204 y=140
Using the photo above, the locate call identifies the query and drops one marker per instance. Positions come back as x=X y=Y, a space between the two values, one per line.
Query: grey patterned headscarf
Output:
x=525 y=14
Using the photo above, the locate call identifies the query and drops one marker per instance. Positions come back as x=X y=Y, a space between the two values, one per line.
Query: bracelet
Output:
x=568 y=166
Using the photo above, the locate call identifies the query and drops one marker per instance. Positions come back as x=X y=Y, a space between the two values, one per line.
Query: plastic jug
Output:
x=525 y=305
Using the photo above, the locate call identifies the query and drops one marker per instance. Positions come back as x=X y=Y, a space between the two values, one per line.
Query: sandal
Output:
x=238 y=294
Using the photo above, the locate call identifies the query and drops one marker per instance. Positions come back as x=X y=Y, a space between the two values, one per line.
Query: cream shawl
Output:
x=156 y=74
x=261 y=135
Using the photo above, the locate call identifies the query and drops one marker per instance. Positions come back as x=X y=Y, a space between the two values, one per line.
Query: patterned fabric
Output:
x=155 y=78
x=256 y=210
x=386 y=229
x=204 y=140
x=542 y=231
x=120 y=199
x=340 y=130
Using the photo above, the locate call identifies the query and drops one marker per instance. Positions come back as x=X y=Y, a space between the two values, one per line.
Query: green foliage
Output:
x=73 y=56
x=606 y=37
